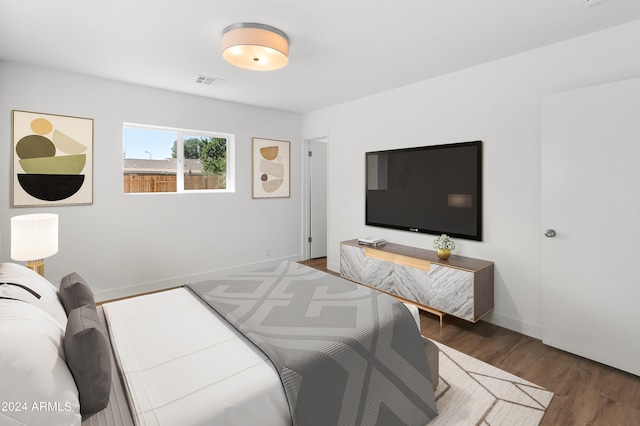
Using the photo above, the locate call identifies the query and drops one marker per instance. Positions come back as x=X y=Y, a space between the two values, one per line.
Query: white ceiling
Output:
x=340 y=49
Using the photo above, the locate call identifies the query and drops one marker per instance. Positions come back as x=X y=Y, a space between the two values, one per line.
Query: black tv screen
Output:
x=432 y=189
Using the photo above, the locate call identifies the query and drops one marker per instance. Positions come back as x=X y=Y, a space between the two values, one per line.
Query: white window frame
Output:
x=180 y=133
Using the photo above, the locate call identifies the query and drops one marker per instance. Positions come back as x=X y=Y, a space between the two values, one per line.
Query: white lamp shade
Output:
x=255 y=47
x=34 y=236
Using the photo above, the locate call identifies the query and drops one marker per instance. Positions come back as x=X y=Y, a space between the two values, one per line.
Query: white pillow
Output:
x=18 y=274
x=36 y=386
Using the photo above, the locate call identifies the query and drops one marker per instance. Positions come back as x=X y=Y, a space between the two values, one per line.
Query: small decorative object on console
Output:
x=443 y=245
x=371 y=241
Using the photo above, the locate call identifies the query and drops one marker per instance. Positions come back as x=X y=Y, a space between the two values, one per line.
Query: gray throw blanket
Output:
x=346 y=354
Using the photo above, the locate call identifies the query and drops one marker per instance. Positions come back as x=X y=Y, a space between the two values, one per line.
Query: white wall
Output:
x=124 y=244
x=498 y=103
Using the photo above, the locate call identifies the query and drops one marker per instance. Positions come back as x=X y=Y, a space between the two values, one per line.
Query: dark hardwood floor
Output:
x=586 y=392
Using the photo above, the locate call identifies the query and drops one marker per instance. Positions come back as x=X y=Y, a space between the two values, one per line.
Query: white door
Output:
x=318 y=198
x=591 y=198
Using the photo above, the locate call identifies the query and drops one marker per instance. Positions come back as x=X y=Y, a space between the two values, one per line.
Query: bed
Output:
x=209 y=353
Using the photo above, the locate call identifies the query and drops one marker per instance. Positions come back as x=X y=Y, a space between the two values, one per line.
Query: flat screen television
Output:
x=432 y=189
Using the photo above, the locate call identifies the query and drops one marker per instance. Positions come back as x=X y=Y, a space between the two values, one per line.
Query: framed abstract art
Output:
x=270 y=168
x=52 y=160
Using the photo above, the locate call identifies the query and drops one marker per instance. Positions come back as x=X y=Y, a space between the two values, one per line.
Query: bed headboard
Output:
x=55 y=360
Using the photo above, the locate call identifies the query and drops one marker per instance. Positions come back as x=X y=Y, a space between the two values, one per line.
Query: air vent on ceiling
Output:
x=210 y=81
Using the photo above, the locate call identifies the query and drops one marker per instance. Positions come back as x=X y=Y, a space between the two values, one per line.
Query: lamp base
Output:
x=36 y=265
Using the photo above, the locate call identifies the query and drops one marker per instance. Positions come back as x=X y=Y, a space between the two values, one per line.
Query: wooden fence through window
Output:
x=167 y=183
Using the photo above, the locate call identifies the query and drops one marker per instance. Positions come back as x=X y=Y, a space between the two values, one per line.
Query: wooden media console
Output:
x=459 y=286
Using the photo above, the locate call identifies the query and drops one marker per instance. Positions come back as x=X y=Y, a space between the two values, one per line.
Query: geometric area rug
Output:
x=472 y=392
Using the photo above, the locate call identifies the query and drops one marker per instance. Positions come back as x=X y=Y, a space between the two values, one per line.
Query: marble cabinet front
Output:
x=446 y=289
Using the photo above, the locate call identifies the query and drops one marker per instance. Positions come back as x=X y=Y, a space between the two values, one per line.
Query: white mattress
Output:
x=183 y=365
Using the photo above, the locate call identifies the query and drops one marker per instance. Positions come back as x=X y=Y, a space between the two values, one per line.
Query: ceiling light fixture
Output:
x=254 y=46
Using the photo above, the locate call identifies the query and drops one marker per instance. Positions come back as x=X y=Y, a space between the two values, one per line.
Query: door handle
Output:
x=549 y=233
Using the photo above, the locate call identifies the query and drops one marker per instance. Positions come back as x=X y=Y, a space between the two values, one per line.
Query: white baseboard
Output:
x=510 y=323
x=514 y=324
x=334 y=267
x=136 y=289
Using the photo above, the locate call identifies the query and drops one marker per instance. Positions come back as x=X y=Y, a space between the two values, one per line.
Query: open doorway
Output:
x=316 y=200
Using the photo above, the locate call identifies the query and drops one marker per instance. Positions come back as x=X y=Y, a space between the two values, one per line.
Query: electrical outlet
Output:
x=267 y=251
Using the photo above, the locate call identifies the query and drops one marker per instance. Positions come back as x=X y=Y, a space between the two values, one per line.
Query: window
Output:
x=160 y=159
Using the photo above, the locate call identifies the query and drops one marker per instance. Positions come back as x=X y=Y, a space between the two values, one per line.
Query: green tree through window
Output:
x=214 y=157
x=212 y=153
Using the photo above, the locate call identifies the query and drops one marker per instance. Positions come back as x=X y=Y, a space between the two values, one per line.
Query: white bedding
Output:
x=166 y=345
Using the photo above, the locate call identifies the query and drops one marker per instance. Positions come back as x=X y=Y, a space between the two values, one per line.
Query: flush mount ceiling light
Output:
x=255 y=46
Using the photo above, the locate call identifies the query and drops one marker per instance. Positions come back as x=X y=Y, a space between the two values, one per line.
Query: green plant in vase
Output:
x=443 y=245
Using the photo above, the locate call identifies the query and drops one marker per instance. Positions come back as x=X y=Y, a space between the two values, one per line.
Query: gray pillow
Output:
x=87 y=350
x=74 y=292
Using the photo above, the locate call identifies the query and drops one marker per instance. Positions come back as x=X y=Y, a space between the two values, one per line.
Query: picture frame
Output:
x=270 y=168
x=52 y=160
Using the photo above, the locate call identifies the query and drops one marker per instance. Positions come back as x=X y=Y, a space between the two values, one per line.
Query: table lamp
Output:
x=33 y=238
